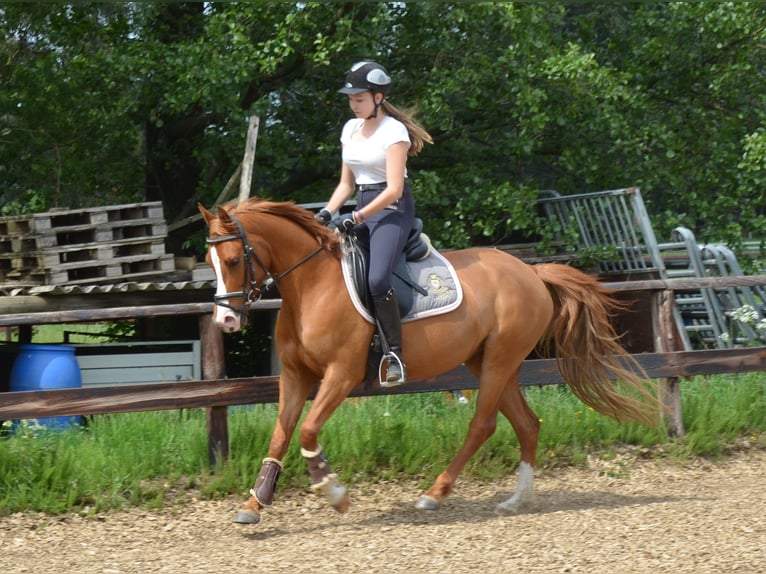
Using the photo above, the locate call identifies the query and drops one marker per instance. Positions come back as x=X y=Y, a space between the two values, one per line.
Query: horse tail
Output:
x=587 y=348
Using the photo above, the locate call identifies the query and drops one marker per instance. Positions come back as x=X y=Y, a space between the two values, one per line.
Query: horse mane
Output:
x=300 y=216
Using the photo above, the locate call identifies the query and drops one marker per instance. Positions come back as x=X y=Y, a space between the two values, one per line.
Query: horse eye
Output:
x=233 y=262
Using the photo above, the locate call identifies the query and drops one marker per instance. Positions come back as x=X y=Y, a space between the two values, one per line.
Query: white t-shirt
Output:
x=367 y=158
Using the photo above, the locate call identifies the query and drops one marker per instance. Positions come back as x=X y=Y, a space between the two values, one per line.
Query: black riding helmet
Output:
x=367 y=76
x=364 y=76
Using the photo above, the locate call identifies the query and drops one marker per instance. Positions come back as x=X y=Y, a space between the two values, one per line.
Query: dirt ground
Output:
x=621 y=516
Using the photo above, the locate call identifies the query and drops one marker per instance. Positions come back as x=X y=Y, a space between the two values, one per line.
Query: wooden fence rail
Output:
x=262 y=390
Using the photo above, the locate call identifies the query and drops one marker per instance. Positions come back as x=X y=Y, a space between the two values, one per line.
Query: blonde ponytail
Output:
x=418 y=135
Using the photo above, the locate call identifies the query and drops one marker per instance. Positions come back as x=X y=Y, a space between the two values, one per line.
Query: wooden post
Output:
x=247 y=162
x=243 y=174
x=214 y=367
x=665 y=343
x=25 y=333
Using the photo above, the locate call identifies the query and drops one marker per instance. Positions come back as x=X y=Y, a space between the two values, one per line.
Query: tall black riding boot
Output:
x=387 y=312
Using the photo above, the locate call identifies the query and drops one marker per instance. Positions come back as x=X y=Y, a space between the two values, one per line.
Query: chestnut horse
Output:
x=508 y=309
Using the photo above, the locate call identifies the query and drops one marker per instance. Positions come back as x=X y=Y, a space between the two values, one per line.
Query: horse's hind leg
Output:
x=527 y=427
x=482 y=426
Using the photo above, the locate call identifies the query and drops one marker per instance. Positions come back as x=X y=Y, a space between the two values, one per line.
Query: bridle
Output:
x=251 y=291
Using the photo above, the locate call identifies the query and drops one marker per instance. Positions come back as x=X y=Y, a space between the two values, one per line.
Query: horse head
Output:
x=241 y=251
x=241 y=274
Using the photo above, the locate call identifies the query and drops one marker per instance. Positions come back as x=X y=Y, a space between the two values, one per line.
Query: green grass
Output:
x=150 y=458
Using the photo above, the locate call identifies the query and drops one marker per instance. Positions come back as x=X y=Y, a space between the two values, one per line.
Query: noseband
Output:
x=251 y=291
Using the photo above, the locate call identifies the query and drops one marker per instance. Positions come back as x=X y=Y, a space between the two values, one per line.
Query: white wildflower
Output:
x=746 y=314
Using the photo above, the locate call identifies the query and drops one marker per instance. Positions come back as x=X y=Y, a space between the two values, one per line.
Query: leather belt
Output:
x=371 y=186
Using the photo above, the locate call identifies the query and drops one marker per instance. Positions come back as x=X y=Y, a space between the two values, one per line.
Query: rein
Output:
x=252 y=292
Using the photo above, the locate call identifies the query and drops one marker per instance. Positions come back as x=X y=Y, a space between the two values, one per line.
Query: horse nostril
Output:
x=230 y=323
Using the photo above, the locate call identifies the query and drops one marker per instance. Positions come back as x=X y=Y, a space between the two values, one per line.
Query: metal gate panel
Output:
x=719 y=260
x=614 y=221
x=701 y=310
x=611 y=221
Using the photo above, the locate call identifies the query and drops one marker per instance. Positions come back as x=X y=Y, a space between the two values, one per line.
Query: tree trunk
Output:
x=172 y=171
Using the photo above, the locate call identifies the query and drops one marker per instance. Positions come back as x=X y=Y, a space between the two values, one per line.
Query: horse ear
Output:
x=223 y=215
x=205 y=213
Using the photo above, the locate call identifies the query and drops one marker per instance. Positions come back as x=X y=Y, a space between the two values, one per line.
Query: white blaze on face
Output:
x=225 y=318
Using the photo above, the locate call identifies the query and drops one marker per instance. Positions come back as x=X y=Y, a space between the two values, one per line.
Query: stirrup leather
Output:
x=386 y=360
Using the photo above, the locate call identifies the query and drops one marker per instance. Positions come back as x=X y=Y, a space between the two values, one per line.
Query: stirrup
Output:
x=386 y=360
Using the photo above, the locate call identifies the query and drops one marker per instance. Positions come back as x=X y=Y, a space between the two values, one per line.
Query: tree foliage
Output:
x=122 y=101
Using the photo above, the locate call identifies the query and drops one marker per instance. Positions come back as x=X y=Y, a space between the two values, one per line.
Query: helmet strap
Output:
x=374 y=114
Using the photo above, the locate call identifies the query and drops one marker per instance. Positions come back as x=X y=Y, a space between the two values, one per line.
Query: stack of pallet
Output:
x=107 y=244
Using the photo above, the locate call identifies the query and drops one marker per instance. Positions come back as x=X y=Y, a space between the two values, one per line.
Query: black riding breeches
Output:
x=388 y=231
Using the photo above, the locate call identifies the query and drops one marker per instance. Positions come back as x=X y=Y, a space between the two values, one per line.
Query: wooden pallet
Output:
x=52 y=259
x=99 y=244
x=40 y=223
x=122 y=269
x=83 y=235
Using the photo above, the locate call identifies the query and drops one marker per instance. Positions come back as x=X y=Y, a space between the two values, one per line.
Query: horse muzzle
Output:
x=228 y=321
x=228 y=317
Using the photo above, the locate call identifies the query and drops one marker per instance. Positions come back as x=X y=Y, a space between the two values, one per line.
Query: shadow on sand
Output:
x=456 y=510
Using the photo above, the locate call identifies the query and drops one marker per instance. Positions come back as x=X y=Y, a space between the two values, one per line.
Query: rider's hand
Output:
x=324 y=217
x=346 y=223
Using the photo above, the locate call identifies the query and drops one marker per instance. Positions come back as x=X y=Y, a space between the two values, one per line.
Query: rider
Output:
x=376 y=144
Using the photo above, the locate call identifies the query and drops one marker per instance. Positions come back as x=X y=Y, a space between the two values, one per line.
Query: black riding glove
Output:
x=346 y=223
x=324 y=217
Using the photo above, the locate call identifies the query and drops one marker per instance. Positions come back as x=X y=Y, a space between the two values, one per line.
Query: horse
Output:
x=509 y=309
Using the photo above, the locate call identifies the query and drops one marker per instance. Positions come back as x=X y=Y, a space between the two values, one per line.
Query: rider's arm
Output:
x=343 y=191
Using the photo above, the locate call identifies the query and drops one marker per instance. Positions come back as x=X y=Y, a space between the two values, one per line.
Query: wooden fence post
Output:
x=665 y=343
x=214 y=367
x=247 y=162
x=25 y=333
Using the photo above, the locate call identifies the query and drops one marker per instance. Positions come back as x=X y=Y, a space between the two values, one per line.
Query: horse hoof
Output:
x=501 y=510
x=343 y=505
x=514 y=507
x=427 y=503
x=247 y=517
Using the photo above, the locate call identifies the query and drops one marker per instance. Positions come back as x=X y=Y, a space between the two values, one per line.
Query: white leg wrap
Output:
x=312 y=453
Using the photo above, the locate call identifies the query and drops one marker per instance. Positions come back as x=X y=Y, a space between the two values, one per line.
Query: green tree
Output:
x=66 y=133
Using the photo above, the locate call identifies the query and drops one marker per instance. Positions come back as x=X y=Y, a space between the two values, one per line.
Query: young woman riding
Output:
x=376 y=144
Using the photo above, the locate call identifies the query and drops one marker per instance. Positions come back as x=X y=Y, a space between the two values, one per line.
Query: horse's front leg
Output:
x=324 y=480
x=338 y=383
x=293 y=391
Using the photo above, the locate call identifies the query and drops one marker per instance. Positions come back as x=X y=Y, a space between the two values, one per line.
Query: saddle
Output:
x=417 y=248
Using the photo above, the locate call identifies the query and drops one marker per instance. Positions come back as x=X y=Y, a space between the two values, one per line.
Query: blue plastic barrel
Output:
x=43 y=367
